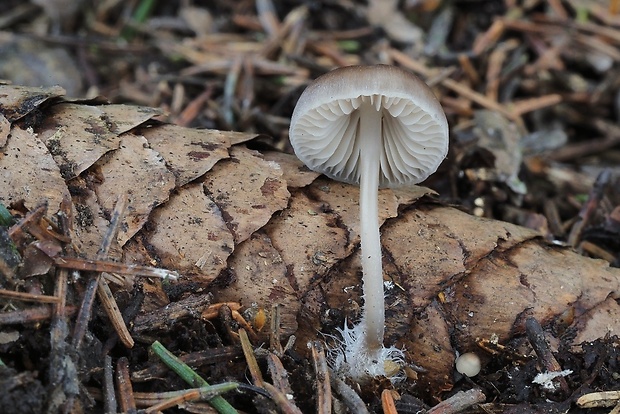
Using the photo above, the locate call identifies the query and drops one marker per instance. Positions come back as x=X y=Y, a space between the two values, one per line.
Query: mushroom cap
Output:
x=468 y=364
x=325 y=124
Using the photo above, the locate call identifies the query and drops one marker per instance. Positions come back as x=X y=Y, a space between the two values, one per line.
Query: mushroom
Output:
x=376 y=126
x=468 y=364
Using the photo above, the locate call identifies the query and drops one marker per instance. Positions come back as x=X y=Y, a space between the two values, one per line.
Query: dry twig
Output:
x=323 y=385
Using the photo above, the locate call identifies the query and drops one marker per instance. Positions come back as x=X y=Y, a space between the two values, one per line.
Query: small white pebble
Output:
x=468 y=364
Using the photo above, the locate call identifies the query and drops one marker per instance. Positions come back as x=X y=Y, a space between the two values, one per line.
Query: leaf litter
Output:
x=471 y=282
x=301 y=256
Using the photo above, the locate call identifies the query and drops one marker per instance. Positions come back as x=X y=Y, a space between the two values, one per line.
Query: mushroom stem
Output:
x=373 y=319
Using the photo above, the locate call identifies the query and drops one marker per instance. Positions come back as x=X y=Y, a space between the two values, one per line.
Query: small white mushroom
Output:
x=376 y=126
x=468 y=364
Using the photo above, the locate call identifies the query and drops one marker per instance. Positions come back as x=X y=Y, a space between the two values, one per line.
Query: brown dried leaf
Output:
x=189 y=153
x=309 y=239
x=260 y=281
x=248 y=190
x=343 y=200
x=28 y=172
x=599 y=322
x=429 y=344
x=188 y=234
x=89 y=222
x=407 y=196
x=321 y=227
x=78 y=135
x=138 y=171
x=237 y=138
x=542 y=281
x=432 y=247
x=294 y=171
x=123 y=118
x=18 y=101
x=35 y=262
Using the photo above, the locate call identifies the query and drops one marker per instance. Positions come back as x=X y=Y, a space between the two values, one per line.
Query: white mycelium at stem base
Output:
x=376 y=126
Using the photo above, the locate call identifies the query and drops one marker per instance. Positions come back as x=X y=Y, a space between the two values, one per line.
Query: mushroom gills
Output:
x=331 y=127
